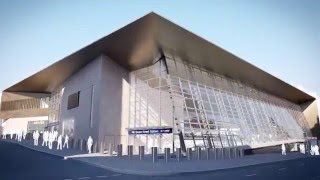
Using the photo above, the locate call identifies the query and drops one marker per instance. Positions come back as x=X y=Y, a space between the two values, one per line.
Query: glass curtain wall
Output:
x=208 y=109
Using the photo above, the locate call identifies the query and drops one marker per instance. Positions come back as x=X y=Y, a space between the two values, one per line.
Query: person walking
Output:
x=89 y=144
x=283 y=149
x=59 y=144
x=66 y=141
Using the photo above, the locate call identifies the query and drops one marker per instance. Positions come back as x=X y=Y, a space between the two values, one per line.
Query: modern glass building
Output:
x=154 y=83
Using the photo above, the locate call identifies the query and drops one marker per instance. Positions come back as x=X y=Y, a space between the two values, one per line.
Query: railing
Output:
x=35 y=103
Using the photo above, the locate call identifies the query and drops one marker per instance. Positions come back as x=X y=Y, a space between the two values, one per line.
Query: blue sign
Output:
x=150 y=131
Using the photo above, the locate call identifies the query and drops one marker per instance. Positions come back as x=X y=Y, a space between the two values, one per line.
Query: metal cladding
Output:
x=137 y=44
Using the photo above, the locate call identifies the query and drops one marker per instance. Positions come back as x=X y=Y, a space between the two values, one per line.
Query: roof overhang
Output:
x=137 y=44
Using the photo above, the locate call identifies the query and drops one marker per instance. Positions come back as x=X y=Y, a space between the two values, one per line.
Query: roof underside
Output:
x=137 y=44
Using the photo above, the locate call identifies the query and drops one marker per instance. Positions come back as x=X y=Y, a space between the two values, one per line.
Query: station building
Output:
x=154 y=83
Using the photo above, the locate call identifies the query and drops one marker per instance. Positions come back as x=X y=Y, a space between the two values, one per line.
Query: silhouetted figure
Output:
x=316 y=150
x=36 y=140
x=66 y=141
x=59 y=144
x=283 y=149
x=24 y=134
x=50 y=139
x=89 y=144
x=45 y=138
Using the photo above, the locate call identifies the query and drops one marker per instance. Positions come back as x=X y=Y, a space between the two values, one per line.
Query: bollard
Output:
x=130 y=152
x=215 y=153
x=101 y=147
x=119 y=150
x=110 y=149
x=241 y=152
x=85 y=147
x=198 y=150
x=178 y=154
x=94 y=149
x=154 y=151
x=235 y=151
x=189 y=153
x=208 y=152
x=80 y=144
x=141 y=153
x=222 y=153
x=167 y=154
x=75 y=143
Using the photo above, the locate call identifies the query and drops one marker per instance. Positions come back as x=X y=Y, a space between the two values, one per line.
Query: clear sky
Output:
x=280 y=37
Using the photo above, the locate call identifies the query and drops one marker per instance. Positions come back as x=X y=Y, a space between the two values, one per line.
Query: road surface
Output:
x=17 y=162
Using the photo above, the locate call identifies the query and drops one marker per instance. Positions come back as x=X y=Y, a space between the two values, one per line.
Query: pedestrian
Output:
x=34 y=137
x=51 y=139
x=55 y=133
x=283 y=149
x=19 y=136
x=59 y=144
x=4 y=135
x=37 y=135
x=24 y=134
x=11 y=134
x=45 y=138
x=89 y=144
x=66 y=141
x=316 y=150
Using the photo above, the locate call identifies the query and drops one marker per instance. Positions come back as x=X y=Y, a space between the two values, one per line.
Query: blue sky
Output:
x=280 y=37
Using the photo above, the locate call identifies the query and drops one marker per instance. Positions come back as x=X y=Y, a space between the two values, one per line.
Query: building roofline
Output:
x=136 y=45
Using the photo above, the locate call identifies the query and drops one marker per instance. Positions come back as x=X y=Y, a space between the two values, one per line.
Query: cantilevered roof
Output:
x=137 y=44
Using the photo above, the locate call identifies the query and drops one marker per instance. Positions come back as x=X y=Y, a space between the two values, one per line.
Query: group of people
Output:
x=314 y=149
x=51 y=136
x=48 y=138
x=19 y=135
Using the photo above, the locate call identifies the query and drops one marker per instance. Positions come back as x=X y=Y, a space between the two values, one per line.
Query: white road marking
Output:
x=102 y=176
x=116 y=174
x=84 y=178
x=249 y=175
x=281 y=169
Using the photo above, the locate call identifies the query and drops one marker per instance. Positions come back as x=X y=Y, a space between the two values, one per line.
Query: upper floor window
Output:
x=73 y=100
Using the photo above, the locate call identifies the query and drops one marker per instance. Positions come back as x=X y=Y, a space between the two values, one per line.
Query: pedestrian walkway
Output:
x=61 y=153
x=147 y=167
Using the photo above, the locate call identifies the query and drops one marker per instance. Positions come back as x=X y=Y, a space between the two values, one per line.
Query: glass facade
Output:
x=207 y=109
x=54 y=105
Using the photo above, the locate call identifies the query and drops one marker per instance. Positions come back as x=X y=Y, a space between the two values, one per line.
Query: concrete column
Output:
x=228 y=151
x=141 y=153
x=241 y=152
x=101 y=147
x=178 y=154
x=215 y=151
x=235 y=152
x=198 y=151
x=81 y=144
x=222 y=153
x=110 y=149
x=119 y=150
x=189 y=153
x=130 y=152
x=208 y=153
x=154 y=151
x=94 y=150
x=167 y=154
